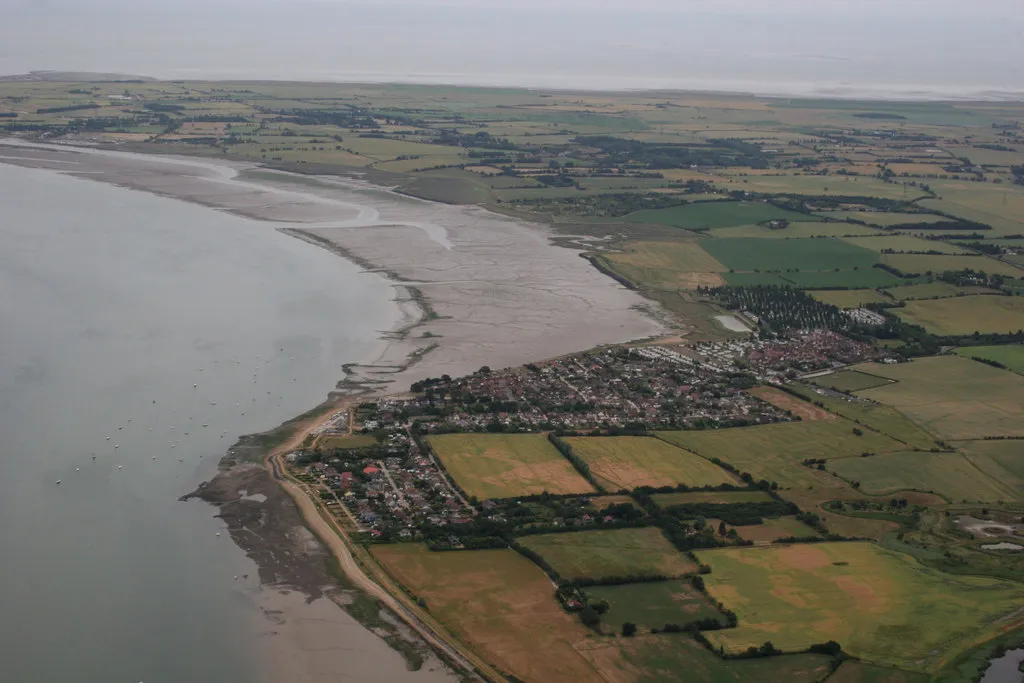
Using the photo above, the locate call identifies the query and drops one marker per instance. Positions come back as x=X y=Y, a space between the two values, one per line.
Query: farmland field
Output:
x=1003 y=460
x=923 y=263
x=884 y=419
x=1010 y=355
x=796 y=229
x=610 y=552
x=849 y=298
x=954 y=397
x=771 y=530
x=714 y=215
x=666 y=265
x=506 y=465
x=652 y=604
x=849 y=381
x=966 y=314
x=750 y=253
x=678 y=657
x=798 y=407
x=775 y=452
x=900 y=242
x=865 y=278
x=878 y=604
x=628 y=462
x=930 y=290
x=727 y=497
x=853 y=671
x=951 y=475
x=346 y=441
x=497 y=601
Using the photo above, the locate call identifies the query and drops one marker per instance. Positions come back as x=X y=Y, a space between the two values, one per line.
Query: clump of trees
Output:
x=781 y=307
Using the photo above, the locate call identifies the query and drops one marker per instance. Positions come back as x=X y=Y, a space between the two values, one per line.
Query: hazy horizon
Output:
x=907 y=48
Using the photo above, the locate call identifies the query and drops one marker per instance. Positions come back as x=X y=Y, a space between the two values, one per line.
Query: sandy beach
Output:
x=473 y=288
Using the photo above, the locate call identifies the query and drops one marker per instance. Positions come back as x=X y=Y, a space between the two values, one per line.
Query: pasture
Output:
x=904 y=243
x=928 y=263
x=849 y=381
x=880 y=605
x=950 y=475
x=506 y=465
x=628 y=462
x=827 y=253
x=796 y=229
x=771 y=530
x=849 y=298
x=652 y=604
x=954 y=397
x=678 y=657
x=1009 y=355
x=775 y=452
x=665 y=265
x=928 y=290
x=610 y=552
x=1002 y=460
x=724 y=214
x=346 y=441
x=854 y=671
x=723 y=497
x=499 y=603
x=966 y=314
x=864 y=278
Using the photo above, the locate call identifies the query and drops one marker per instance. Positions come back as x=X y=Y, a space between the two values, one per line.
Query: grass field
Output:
x=346 y=441
x=628 y=462
x=610 y=552
x=500 y=603
x=924 y=263
x=865 y=278
x=1010 y=355
x=966 y=314
x=900 y=242
x=878 y=604
x=750 y=253
x=506 y=465
x=1002 y=460
x=929 y=290
x=652 y=604
x=884 y=419
x=775 y=452
x=714 y=215
x=728 y=497
x=854 y=671
x=849 y=298
x=677 y=657
x=771 y=530
x=666 y=265
x=849 y=381
x=801 y=229
x=953 y=397
x=796 y=406
x=951 y=475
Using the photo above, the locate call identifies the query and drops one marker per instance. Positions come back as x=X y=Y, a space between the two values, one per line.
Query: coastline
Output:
x=461 y=287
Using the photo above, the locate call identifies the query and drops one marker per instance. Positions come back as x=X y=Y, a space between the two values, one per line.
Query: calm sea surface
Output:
x=113 y=304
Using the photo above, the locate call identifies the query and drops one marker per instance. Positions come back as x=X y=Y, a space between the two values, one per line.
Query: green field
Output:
x=677 y=657
x=1010 y=355
x=652 y=604
x=849 y=381
x=880 y=605
x=953 y=397
x=966 y=314
x=506 y=465
x=899 y=242
x=951 y=475
x=850 y=298
x=925 y=263
x=775 y=452
x=771 y=530
x=727 y=497
x=814 y=254
x=854 y=671
x=1002 y=460
x=885 y=218
x=628 y=462
x=801 y=229
x=884 y=419
x=928 y=290
x=702 y=215
x=751 y=279
x=346 y=442
x=610 y=552
x=865 y=278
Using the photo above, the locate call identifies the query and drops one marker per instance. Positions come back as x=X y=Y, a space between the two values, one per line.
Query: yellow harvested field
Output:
x=628 y=462
x=499 y=603
x=925 y=263
x=966 y=314
x=805 y=410
x=507 y=465
x=667 y=265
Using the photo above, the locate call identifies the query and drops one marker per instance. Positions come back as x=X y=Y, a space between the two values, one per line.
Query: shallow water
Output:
x=1006 y=669
x=140 y=336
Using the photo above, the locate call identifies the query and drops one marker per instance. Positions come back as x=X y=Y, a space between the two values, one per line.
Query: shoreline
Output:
x=511 y=303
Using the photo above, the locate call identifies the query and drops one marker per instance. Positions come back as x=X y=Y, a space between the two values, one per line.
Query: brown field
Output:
x=805 y=410
x=498 y=602
x=628 y=462
x=667 y=265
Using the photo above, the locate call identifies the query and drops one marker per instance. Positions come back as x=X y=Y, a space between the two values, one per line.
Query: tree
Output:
x=629 y=629
x=590 y=617
x=722 y=531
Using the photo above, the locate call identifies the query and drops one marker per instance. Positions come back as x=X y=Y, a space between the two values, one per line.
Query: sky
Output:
x=785 y=46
